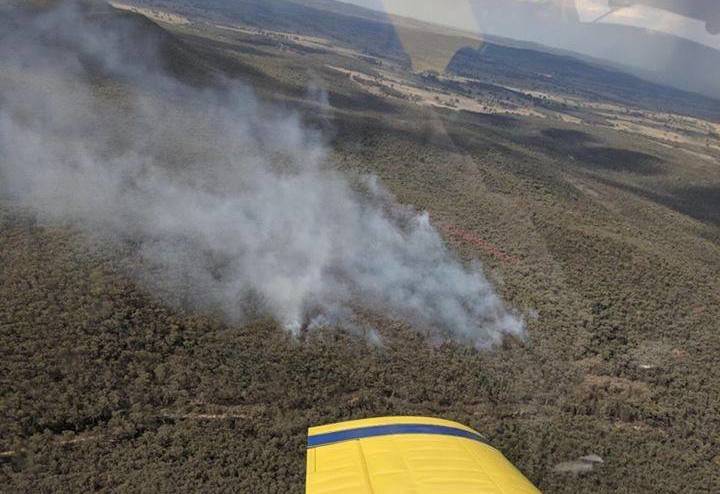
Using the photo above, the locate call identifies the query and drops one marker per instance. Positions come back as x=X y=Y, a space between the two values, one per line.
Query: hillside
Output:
x=406 y=42
x=590 y=201
x=543 y=71
x=654 y=55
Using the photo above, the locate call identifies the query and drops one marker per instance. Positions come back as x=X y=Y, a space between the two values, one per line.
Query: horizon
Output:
x=652 y=44
x=467 y=16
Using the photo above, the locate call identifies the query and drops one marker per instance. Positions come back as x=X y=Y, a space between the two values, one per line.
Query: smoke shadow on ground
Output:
x=700 y=202
x=587 y=151
x=494 y=120
x=576 y=137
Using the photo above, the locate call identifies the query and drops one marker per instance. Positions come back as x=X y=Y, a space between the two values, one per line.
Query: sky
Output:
x=649 y=18
x=485 y=16
x=646 y=39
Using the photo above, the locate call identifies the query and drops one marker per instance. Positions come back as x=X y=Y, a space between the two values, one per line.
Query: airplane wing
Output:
x=418 y=455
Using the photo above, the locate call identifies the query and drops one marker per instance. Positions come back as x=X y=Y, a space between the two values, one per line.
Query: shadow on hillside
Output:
x=585 y=151
x=700 y=202
x=576 y=137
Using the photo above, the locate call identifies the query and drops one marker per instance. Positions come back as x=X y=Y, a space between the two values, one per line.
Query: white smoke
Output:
x=229 y=200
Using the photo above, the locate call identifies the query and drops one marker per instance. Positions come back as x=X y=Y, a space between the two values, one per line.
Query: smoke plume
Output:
x=227 y=198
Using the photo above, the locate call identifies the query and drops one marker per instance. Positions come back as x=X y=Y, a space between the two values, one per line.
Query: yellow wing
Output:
x=407 y=455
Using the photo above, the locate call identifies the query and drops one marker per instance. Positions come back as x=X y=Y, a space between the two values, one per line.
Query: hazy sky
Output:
x=577 y=25
x=494 y=16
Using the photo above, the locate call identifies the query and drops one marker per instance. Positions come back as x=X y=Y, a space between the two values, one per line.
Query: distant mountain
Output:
x=374 y=35
x=531 y=69
x=406 y=41
x=652 y=55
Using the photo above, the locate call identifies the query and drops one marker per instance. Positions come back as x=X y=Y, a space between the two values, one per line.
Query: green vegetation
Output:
x=607 y=240
x=541 y=71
